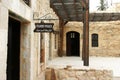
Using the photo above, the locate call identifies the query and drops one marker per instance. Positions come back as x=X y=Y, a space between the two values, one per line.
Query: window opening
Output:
x=94 y=40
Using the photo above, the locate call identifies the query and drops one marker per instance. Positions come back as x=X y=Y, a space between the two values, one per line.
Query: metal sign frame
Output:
x=44 y=27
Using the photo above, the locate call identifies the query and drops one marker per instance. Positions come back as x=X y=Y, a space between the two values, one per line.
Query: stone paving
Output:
x=116 y=78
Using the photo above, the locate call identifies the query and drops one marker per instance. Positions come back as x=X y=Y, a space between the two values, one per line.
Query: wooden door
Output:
x=73 y=44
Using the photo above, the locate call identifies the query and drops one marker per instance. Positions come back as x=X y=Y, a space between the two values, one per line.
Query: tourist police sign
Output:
x=44 y=27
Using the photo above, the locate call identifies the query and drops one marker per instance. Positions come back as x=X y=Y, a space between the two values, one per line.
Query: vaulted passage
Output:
x=73 y=43
x=13 y=56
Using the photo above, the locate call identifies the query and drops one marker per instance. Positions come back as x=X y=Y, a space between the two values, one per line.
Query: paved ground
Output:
x=109 y=63
x=116 y=78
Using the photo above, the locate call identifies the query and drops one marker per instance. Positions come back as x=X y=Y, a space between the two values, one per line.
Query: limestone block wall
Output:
x=78 y=74
x=28 y=56
x=72 y=26
x=43 y=11
x=108 y=40
x=18 y=10
x=41 y=75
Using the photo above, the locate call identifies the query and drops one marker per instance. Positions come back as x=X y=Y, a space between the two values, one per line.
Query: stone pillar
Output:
x=27 y=64
x=3 y=41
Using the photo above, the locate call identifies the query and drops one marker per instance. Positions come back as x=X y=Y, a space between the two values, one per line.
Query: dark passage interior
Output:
x=13 y=56
x=73 y=43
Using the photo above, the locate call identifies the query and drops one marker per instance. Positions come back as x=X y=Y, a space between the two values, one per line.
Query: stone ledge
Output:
x=78 y=74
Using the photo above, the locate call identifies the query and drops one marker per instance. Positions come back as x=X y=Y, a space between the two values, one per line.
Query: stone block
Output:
x=3 y=17
x=83 y=74
x=70 y=78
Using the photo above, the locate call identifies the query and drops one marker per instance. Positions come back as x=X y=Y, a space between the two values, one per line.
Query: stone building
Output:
x=16 y=40
x=22 y=50
x=24 y=54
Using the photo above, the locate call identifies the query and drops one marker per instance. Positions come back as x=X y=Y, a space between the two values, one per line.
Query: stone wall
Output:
x=78 y=74
x=18 y=10
x=3 y=41
x=27 y=56
x=41 y=72
x=72 y=26
x=109 y=37
x=43 y=11
x=47 y=13
x=18 y=7
x=30 y=42
x=108 y=32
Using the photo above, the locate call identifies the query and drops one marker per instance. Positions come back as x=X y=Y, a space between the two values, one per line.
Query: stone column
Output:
x=3 y=41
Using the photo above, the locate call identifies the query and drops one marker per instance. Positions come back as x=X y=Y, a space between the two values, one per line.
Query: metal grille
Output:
x=27 y=2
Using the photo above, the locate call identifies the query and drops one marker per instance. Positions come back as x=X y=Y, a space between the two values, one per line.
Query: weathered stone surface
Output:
x=70 y=78
x=63 y=74
x=20 y=11
x=48 y=74
x=108 y=37
x=19 y=7
x=3 y=41
x=3 y=17
x=3 y=53
x=49 y=40
x=41 y=76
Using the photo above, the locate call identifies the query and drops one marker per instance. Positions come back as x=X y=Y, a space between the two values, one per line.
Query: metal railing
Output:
x=27 y=2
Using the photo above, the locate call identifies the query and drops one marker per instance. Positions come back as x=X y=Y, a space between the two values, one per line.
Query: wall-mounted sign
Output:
x=44 y=27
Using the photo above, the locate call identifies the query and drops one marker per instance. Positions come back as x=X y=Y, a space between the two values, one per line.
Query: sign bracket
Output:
x=44 y=17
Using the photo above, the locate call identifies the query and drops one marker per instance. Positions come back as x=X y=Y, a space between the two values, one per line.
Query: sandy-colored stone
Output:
x=108 y=37
x=109 y=40
x=70 y=78
x=82 y=74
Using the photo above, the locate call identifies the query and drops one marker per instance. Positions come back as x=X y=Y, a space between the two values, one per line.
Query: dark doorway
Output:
x=13 y=56
x=73 y=43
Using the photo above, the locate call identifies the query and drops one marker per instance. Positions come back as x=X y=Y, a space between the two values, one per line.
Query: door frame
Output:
x=25 y=48
x=68 y=43
x=13 y=28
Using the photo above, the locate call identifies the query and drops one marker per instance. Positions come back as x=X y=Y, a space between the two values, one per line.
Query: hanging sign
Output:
x=43 y=27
